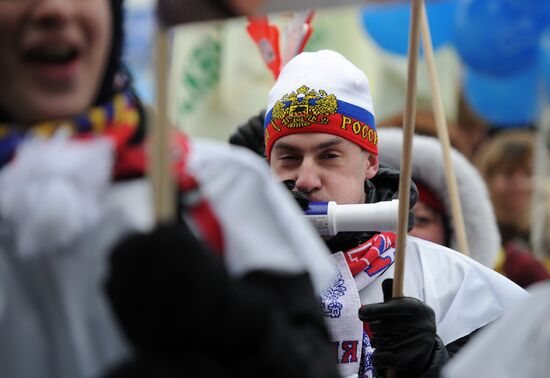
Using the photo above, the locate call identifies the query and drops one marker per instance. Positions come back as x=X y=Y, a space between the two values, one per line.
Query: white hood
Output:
x=427 y=166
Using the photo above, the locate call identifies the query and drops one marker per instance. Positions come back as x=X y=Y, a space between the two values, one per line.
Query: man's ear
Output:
x=372 y=166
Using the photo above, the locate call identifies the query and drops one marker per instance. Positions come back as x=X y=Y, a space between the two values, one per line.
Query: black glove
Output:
x=403 y=334
x=251 y=134
x=171 y=295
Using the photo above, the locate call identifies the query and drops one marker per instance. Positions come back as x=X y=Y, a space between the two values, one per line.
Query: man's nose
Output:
x=308 y=178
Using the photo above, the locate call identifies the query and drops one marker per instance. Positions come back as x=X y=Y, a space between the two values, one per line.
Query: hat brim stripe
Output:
x=351 y=122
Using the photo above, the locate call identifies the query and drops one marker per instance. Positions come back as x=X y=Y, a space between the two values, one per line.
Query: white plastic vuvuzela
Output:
x=329 y=218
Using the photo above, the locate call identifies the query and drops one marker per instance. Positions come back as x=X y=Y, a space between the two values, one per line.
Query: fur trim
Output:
x=427 y=166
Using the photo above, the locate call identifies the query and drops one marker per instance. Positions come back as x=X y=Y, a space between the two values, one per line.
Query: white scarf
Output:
x=340 y=303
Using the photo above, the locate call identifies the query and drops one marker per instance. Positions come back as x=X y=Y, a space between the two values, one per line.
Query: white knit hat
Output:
x=321 y=92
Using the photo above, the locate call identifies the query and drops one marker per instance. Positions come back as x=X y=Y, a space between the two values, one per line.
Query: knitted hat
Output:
x=321 y=92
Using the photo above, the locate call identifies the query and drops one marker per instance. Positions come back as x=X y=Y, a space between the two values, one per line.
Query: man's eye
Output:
x=422 y=221
x=288 y=157
x=330 y=155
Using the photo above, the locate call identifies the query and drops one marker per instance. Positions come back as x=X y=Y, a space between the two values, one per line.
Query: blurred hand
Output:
x=164 y=287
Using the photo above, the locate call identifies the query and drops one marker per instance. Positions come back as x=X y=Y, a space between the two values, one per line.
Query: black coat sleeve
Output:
x=442 y=354
x=251 y=134
x=296 y=342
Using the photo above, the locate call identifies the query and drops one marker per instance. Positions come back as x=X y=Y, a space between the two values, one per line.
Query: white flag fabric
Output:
x=464 y=294
x=518 y=345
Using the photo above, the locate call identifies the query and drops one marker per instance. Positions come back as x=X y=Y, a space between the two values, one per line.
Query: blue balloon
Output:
x=539 y=10
x=505 y=101
x=492 y=37
x=388 y=24
x=544 y=60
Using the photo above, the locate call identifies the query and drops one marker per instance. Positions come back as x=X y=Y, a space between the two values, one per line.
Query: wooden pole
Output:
x=405 y=176
x=408 y=132
x=164 y=193
x=443 y=134
x=539 y=198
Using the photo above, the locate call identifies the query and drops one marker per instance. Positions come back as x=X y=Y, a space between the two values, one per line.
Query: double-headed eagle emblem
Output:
x=304 y=107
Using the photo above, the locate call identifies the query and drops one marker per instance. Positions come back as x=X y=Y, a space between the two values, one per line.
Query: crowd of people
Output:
x=238 y=285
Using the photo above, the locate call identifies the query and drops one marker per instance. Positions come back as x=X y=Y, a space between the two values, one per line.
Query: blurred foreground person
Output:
x=229 y=291
x=516 y=345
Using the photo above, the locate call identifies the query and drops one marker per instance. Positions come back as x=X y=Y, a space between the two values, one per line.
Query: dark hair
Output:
x=109 y=84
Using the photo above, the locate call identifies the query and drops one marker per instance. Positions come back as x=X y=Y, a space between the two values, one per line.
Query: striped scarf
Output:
x=118 y=120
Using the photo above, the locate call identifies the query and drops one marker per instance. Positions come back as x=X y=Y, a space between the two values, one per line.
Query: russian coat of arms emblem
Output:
x=303 y=107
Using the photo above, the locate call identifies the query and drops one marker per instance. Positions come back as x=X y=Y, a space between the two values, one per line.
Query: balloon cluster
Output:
x=504 y=45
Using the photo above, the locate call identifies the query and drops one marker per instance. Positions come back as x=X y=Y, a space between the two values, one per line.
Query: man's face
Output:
x=325 y=166
x=53 y=55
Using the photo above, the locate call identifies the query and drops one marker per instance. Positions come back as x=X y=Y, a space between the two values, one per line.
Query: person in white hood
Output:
x=433 y=210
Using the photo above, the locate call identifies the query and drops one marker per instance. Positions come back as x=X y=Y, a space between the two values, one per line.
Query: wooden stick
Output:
x=408 y=131
x=443 y=134
x=164 y=194
x=539 y=199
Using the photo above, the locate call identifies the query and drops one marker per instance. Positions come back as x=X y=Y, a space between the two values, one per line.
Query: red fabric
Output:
x=131 y=161
x=266 y=37
x=366 y=328
x=428 y=197
x=522 y=267
x=366 y=256
x=201 y=211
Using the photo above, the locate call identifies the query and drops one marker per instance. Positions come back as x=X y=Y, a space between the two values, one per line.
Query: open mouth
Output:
x=52 y=55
